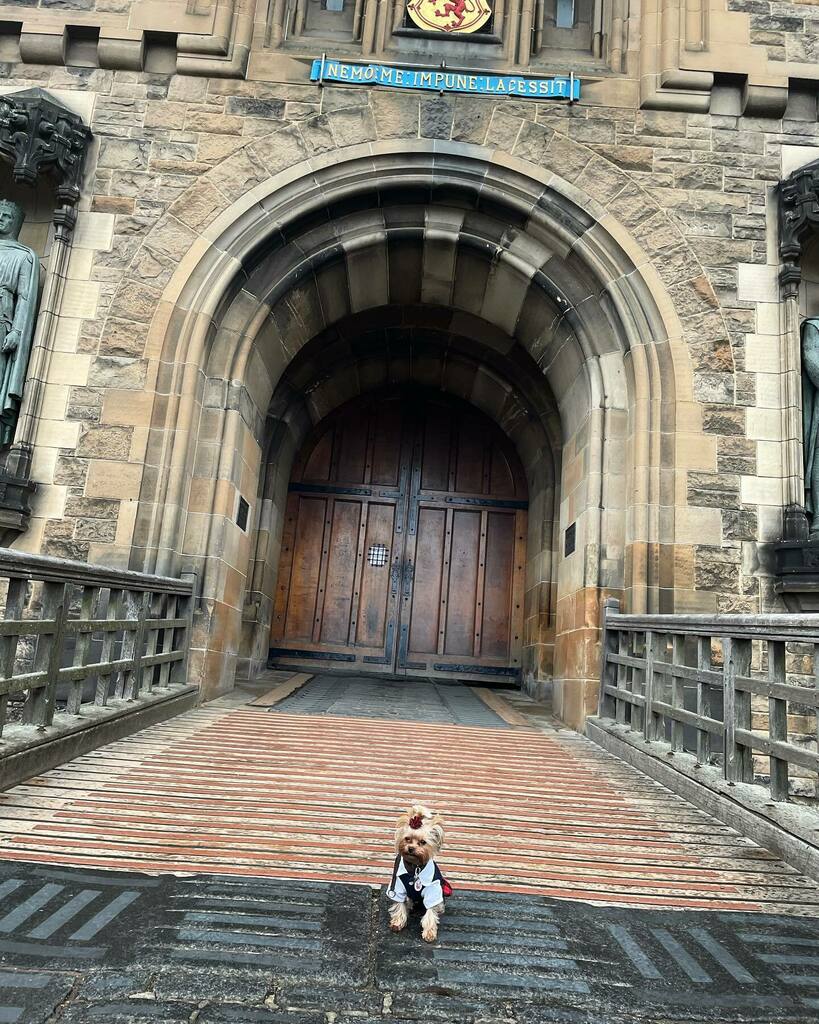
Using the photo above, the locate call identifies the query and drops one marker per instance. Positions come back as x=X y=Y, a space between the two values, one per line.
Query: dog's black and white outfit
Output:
x=427 y=886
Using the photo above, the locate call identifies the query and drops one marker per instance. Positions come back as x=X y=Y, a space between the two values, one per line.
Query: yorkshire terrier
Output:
x=416 y=878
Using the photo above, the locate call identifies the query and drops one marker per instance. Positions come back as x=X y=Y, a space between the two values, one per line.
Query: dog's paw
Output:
x=429 y=934
x=398 y=919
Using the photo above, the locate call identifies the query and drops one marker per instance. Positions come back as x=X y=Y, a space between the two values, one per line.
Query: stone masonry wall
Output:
x=157 y=134
x=787 y=31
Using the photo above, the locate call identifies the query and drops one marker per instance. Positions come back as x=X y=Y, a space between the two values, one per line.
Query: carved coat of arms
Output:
x=449 y=15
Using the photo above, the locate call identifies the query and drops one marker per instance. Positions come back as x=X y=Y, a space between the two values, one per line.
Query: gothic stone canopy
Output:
x=38 y=135
x=798 y=218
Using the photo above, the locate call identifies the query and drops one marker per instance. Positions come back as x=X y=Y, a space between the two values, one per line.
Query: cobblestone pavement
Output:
x=109 y=947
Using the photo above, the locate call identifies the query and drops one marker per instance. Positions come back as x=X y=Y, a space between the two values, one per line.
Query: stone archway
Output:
x=527 y=268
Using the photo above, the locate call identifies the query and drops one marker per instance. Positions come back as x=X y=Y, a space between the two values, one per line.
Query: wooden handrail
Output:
x=74 y=635
x=664 y=676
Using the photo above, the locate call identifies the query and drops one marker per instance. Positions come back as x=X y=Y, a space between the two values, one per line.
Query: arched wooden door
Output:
x=404 y=543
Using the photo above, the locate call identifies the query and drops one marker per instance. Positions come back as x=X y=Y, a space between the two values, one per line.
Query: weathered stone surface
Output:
x=317 y=135
x=436 y=117
x=686 y=194
x=740 y=524
x=75 y=550
x=602 y=180
x=723 y=419
x=118 y=372
x=171 y=238
x=351 y=127
x=212 y=149
x=71 y=471
x=135 y=301
x=713 y=490
x=281 y=150
x=714 y=387
x=212 y=122
x=91 y=508
x=716 y=569
x=112 y=204
x=736 y=455
x=503 y=130
x=123 y=338
x=630 y=158
x=471 y=120
x=714 y=356
x=96 y=530
x=106 y=443
x=131 y=153
x=533 y=143
x=165 y=114
x=251 y=107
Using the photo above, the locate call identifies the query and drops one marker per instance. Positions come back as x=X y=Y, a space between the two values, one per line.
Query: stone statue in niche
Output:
x=810 y=419
x=19 y=274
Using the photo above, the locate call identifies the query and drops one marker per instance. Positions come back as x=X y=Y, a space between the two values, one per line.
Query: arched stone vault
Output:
x=531 y=268
x=413 y=347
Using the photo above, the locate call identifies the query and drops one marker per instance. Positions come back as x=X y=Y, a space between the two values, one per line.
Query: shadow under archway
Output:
x=414 y=347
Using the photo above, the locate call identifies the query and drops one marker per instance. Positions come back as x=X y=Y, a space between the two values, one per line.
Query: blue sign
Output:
x=324 y=70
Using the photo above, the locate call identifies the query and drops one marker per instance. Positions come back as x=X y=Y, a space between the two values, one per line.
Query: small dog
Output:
x=416 y=878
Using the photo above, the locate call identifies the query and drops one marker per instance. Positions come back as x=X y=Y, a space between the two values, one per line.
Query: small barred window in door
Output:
x=377 y=555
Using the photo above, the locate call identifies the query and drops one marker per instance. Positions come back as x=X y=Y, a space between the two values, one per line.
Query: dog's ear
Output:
x=400 y=828
x=435 y=832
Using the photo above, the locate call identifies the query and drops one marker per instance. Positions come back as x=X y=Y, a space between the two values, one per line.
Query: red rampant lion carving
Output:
x=449 y=15
x=457 y=8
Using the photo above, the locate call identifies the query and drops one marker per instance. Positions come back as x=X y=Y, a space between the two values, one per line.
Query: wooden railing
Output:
x=75 y=637
x=737 y=690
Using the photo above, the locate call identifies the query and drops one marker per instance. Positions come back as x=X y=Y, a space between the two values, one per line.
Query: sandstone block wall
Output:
x=688 y=192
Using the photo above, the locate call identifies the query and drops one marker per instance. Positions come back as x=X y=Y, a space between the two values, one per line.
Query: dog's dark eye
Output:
x=422 y=842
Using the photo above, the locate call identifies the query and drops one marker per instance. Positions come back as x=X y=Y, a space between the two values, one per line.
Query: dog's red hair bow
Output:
x=416 y=821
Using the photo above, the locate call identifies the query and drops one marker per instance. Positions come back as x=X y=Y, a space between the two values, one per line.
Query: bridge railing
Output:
x=79 y=640
x=736 y=691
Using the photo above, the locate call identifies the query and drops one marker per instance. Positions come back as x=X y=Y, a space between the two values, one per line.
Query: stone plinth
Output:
x=797 y=574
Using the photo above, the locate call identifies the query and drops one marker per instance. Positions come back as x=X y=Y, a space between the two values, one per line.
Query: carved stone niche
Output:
x=40 y=139
x=796 y=556
x=798 y=201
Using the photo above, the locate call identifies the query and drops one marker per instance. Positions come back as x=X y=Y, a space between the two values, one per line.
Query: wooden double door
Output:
x=404 y=544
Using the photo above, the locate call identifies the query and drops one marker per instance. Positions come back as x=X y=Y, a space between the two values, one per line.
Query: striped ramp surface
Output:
x=240 y=791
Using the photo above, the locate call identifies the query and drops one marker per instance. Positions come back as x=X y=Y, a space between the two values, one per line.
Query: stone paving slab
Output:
x=217 y=949
x=414 y=700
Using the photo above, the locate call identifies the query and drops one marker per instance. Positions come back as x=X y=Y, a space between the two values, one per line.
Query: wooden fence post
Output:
x=777 y=719
x=737 y=703
x=650 y=725
x=677 y=690
x=15 y=602
x=89 y=604
x=608 y=671
x=703 y=698
x=135 y=675
x=48 y=653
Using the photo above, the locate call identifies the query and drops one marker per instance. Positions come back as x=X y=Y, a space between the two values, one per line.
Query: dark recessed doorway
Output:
x=404 y=543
